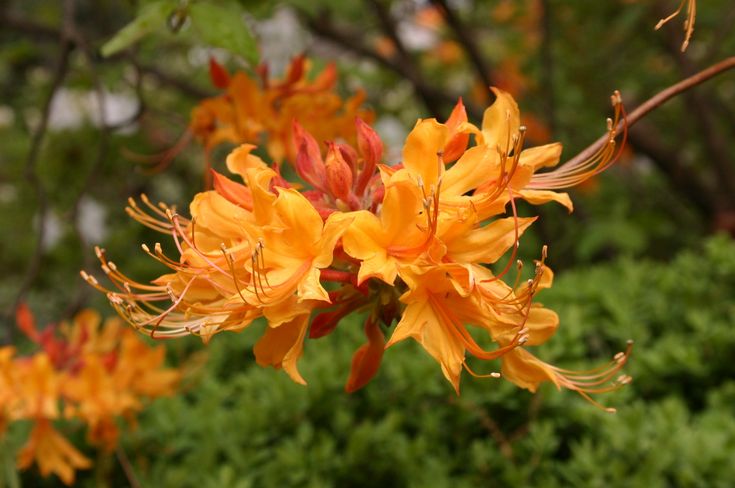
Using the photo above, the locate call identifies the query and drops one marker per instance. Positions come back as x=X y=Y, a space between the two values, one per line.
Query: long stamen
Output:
x=587 y=382
x=578 y=170
x=691 y=16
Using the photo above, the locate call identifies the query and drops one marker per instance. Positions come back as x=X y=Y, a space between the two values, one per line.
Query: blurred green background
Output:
x=647 y=255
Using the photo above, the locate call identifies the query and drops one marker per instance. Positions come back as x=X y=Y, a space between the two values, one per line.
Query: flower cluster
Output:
x=412 y=244
x=250 y=109
x=87 y=371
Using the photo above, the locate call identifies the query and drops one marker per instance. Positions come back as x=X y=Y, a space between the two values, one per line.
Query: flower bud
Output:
x=371 y=149
x=339 y=175
x=218 y=74
x=457 y=143
x=309 y=163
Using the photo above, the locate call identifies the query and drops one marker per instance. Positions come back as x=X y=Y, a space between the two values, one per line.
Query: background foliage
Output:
x=635 y=259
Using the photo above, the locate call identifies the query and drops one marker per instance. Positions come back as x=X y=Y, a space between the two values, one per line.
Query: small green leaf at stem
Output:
x=152 y=16
x=224 y=27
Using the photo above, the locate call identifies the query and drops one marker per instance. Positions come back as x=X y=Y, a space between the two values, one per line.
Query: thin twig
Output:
x=353 y=42
x=464 y=37
x=656 y=101
x=645 y=138
x=103 y=143
x=122 y=458
x=404 y=59
x=46 y=33
x=29 y=172
x=504 y=444
x=547 y=65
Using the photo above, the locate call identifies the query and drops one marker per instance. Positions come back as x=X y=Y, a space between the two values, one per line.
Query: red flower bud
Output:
x=339 y=175
x=309 y=164
x=218 y=74
x=366 y=361
x=371 y=149
x=457 y=143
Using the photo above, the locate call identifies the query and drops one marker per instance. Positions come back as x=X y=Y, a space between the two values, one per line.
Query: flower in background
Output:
x=255 y=110
x=86 y=370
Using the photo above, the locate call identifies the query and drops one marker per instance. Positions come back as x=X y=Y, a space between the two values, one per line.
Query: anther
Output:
x=145 y=248
x=170 y=292
x=495 y=374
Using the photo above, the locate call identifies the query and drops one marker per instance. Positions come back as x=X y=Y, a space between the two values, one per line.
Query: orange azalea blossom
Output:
x=87 y=371
x=251 y=109
x=411 y=244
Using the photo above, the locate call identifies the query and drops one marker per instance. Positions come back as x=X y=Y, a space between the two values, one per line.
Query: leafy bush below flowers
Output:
x=244 y=426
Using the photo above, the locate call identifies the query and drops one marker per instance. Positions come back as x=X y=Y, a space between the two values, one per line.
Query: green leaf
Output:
x=151 y=16
x=225 y=28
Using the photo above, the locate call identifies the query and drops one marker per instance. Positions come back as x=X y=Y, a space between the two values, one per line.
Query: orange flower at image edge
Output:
x=85 y=370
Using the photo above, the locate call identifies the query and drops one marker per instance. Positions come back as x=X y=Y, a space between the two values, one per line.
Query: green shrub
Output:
x=239 y=425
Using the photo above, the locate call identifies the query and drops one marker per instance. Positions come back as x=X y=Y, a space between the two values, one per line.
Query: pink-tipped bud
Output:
x=366 y=360
x=457 y=143
x=296 y=69
x=339 y=175
x=371 y=149
x=349 y=155
x=309 y=163
x=325 y=323
x=368 y=142
x=218 y=74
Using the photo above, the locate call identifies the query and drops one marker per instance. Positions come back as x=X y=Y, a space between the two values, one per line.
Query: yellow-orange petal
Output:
x=421 y=151
x=538 y=197
x=526 y=370
x=282 y=346
x=501 y=121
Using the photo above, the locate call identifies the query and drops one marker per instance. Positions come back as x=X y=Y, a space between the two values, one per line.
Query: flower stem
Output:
x=656 y=101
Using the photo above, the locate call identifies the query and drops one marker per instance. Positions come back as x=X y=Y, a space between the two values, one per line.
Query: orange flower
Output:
x=99 y=372
x=409 y=243
x=249 y=110
x=52 y=452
